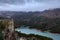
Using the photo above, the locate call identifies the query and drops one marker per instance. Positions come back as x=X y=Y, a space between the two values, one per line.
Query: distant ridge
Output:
x=47 y=13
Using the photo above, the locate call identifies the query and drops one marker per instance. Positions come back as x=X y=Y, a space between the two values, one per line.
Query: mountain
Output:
x=45 y=20
x=41 y=20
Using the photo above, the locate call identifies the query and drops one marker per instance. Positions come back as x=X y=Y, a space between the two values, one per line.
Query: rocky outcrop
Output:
x=8 y=31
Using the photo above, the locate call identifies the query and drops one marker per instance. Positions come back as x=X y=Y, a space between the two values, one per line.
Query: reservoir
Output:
x=26 y=30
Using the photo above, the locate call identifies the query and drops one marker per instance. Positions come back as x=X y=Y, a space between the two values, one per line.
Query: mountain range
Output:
x=42 y=20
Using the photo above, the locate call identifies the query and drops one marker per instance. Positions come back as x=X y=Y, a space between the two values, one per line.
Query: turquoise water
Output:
x=38 y=32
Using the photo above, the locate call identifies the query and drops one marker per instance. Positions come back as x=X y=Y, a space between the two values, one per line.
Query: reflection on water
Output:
x=34 y=31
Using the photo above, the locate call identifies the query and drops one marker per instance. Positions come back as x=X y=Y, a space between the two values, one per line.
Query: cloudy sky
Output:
x=28 y=5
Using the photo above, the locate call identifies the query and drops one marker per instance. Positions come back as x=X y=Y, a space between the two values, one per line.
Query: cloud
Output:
x=30 y=6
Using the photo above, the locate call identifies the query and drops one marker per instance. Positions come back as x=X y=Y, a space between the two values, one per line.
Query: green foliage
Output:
x=41 y=23
x=1 y=28
x=1 y=38
x=3 y=24
x=32 y=35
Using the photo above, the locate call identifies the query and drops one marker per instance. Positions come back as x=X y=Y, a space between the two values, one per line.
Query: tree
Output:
x=3 y=24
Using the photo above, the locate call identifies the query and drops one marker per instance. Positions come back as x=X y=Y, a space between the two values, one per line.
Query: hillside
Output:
x=7 y=32
x=46 y=20
x=42 y=20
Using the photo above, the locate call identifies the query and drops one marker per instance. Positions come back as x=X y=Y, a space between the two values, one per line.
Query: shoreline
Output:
x=45 y=31
x=41 y=30
x=33 y=36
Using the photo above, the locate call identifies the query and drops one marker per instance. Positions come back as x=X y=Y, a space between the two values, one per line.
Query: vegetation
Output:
x=42 y=20
x=3 y=24
x=1 y=28
x=32 y=35
x=41 y=23
x=46 y=20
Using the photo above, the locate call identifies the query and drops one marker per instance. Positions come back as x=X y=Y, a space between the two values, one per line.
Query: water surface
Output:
x=38 y=32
